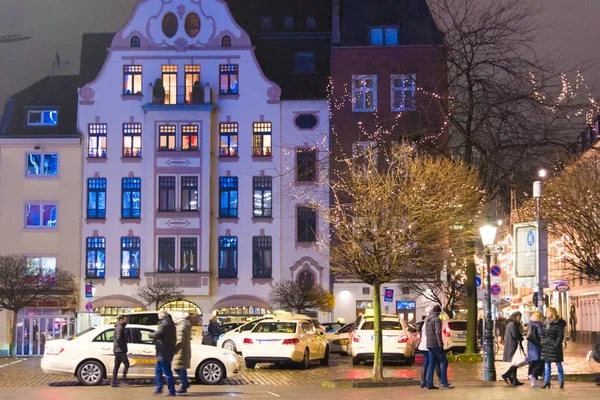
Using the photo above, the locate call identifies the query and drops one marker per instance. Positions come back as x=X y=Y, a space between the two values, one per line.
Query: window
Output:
x=132 y=140
x=166 y=193
x=307 y=224
x=261 y=139
x=364 y=90
x=96 y=198
x=403 y=92
x=228 y=132
x=97 y=140
x=166 y=137
x=306 y=121
x=306 y=279
x=376 y=37
x=306 y=165
x=228 y=248
x=132 y=79
x=41 y=266
x=265 y=24
x=192 y=80
x=380 y=36
x=135 y=41
x=40 y=215
x=366 y=290
x=262 y=255
x=304 y=63
x=405 y=290
x=263 y=191
x=288 y=23
x=189 y=254
x=170 y=25
x=226 y=41
x=166 y=254
x=189 y=193
x=130 y=257
x=192 y=25
x=189 y=137
x=228 y=197
x=311 y=23
x=131 y=197
x=364 y=157
x=105 y=337
x=42 y=118
x=96 y=257
x=391 y=36
x=169 y=78
x=228 y=77
x=42 y=164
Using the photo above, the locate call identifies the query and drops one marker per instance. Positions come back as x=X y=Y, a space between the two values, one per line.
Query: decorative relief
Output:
x=178 y=223
x=87 y=95
x=274 y=93
x=181 y=11
x=178 y=162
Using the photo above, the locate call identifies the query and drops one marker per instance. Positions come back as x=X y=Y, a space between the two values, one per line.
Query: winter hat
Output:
x=436 y=309
x=427 y=309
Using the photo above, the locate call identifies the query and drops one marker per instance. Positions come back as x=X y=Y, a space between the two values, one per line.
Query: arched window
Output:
x=192 y=25
x=306 y=279
x=183 y=306
x=226 y=41
x=170 y=25
x=134 y=41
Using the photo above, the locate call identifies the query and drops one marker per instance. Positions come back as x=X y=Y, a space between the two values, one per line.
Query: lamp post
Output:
x=537 y=195
x=488 y=234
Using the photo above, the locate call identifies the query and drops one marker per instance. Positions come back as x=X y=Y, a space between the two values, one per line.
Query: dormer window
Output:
x=265 y=24
x=383 y=36
x=42 y=118
x=311 y=23
x=135 y=41
x=226 y=41
x=288 y=23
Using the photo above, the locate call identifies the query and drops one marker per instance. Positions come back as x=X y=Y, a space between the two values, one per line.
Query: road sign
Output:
x=562 y=287
x=508 y=297
x=495 y=290
x=495 y=280
x=496 y=270
x=388 y=295
x=89 y=291
x=478 y=281
x=89 y=307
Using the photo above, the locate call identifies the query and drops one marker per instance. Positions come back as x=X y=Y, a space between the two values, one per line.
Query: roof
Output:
x=55 y=92
x=94 y=50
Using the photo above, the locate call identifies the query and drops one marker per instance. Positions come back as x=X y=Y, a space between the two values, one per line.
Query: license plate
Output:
x=268 y=342
x=384 y=338
x=462 y=336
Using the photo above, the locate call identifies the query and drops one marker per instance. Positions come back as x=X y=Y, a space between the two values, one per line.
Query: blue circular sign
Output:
x=477 y=281
x=496 y=270
x=495 y=290
x=530 y=238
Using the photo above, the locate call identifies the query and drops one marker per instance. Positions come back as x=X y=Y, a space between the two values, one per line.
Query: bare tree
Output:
x=159 y=292
x=21 y=286
x=300 y=297
x=394 y=222
x=448 y=294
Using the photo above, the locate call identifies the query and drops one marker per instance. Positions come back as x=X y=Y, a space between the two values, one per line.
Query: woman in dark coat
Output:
x=535 y=332
x=552 y=346
x=512 y=341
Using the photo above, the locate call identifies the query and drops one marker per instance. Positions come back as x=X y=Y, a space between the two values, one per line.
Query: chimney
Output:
x=335 y=21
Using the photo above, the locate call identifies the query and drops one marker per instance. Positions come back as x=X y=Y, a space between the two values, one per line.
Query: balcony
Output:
x=191 y=280
x=197 y=98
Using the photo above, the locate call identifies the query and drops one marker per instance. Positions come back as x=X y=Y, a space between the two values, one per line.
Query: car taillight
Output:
x=54 y=351
x=291 y=341
x=248 y=341
x=447 y=332
x=356 y=339
x=403 y=339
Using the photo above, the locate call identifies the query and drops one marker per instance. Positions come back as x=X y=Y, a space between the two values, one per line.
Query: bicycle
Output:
x=483 y=345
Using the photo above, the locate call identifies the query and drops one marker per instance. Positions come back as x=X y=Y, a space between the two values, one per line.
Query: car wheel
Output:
x=211 y=372
x=355 y=361
x=90 y=373
x=250 y=364
x=229 y=345
x=305 y=363
x=325 y=359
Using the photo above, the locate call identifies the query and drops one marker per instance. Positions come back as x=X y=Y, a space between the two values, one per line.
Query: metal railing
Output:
x=181 y=95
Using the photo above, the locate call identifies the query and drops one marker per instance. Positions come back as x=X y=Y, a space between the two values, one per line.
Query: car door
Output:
x=310 y=336
x=101 y=347
x=141 y=352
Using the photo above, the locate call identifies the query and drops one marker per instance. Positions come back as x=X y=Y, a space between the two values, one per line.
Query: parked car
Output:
x=150 y=318
x=339 y=341
x=332 y=326
x=234 y=339
x=89 y=357
x=285 y=339
x=454 y=335
x=226 y=327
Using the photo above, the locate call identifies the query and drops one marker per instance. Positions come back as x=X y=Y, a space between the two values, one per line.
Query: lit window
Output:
x=167 y=186
x=189 y=254
x=226 y=41
x=194 y=91
x=166 y=137
x=189 y=193
x=42 y=164
x=263 y=196
x=170 y=25
x=228 y=77
x=96 y=257
x=228 y=132
x=364 y=90
x=40 y=215
x=96 y=198
x=132 y=79
x=228 y=197
x=261 y=139
x=391 y=36
x=304 y=63
x=166 y=254
x=130 y=257
x=306 y=279
x=376 y=37
x=169 y=78
x=132 y=140
x=97 y=140
x=228 y=254
x=131 y=198
x=42 y=118
x=262 y=257
x=364 y=157
x=379 y=36
x=403 y=92
x=306 y=224
x=192 y=25
x=135 y=41
x=41 y=266
x=306 y=165
x=189 y=137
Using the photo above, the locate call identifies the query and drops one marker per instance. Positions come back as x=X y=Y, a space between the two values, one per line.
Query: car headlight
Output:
x=230 y=357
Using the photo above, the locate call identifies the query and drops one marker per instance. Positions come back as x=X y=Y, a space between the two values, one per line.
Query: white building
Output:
x=206 y=185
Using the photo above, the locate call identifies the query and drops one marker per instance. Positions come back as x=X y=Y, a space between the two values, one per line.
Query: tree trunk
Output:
x=13 y=344
x=471 y=302
x=378 y=344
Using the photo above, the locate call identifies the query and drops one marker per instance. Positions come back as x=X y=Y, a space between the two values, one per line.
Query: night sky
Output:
x=57 y=26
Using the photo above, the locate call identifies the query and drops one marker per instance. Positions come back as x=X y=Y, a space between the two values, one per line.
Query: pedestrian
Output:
x=423 y=348
x=435 y=346
x=183 y=349
x=120 y=350
x=513 y=340
x=535 y=331
x=552 y=346
x=164 y=341
x=214 y=330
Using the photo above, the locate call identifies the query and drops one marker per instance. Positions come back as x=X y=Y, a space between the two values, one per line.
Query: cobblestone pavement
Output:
x=27 y=373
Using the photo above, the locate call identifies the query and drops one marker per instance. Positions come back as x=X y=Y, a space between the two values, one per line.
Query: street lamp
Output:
x=488 y=234
x=537 y=195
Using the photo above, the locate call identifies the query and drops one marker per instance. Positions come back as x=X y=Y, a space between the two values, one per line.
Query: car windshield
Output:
x=457 y=325
x=275 y=327
x=78 y=334
x=385 y=325
x=333 y=327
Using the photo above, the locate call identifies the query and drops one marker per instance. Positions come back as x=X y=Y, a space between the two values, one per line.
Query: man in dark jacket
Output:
x=165 y=339
x=120 y=349
x=435 y=345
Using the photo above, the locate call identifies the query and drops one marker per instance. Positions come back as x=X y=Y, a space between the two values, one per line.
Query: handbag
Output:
x=519 y=358
x=596 y=352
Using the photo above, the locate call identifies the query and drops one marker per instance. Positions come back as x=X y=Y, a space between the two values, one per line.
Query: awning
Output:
x=118 y=300
x=242 y=300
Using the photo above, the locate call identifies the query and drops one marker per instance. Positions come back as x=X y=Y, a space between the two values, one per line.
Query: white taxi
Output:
x=398 y=343
x=289 y=339
x=233 y=339
x=89 y=356
x=340 y=339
